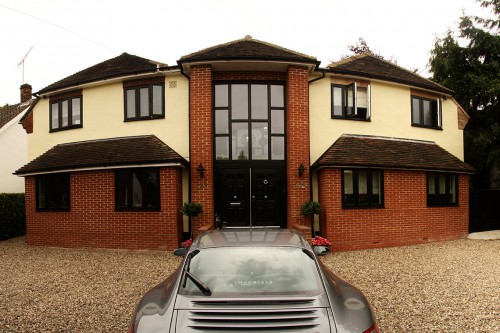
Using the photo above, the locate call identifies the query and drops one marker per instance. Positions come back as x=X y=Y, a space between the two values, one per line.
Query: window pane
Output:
x=277 y=121
x=376 y=197
x=431 y=183
x=426 y=105
x=136 y=191
x=75 y=111
x=277 y=96
x=350 y=100
x=144 y=102
x=240 y=141
x=222 y=148
x=121 y=189
x=65 y=113
x=442 y=184
x=261 y=143
x=131 y=104
x=55 y=115
x=277 y=148
x=221 y=122
x=362 y=102
x=221 y=95
x=363 y=187
x=150 y=185
x=348 y=178
x=239 y=101
x=259 y=101
x=157 y=100
x=453 y=189
x=337 y=101
x=415 y=108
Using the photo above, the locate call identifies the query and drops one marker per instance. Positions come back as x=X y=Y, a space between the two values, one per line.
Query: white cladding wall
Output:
x=103 y=117
x=390 y=116
x=13 y=155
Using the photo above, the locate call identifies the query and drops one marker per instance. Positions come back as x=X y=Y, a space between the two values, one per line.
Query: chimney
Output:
x=25 y=93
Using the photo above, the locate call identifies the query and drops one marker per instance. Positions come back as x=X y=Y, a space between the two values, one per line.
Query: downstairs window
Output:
x=442 y=189
x=52 y=192
x=362 y=188
x=137 y=189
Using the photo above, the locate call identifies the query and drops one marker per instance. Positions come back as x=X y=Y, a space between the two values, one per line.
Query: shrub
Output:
x=12 y=215
x=191 y=209
x=310 y=208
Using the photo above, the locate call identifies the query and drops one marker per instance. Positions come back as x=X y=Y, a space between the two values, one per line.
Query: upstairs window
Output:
x=66 y=111
x=350 y=101
x=144 y=99
x=425 y=112
x=362 y=188
x=442 y=189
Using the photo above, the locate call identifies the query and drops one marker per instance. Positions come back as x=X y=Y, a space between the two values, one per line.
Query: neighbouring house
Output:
x=250 y=130
x=13 y=142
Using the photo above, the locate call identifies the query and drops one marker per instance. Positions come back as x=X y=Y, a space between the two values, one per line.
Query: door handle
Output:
x=235 y=204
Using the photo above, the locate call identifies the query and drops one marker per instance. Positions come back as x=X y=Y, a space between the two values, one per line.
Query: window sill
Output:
x=138 y=210
x=363 y=207
x=41 y=210
x=439 y=128
x=442 y=205
x=52 y=130
x=144 y=118
x=351 y=118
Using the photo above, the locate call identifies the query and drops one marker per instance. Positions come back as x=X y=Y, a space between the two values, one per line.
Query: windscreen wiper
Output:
x=197 y=282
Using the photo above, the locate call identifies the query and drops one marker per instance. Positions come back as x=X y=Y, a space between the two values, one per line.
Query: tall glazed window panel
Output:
x=249 y=121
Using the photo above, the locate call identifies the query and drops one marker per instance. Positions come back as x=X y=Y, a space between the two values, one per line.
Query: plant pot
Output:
x=321 y=250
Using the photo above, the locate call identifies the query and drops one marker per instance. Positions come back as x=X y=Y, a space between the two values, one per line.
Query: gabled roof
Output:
x=247 y=49
x=367 y=65
x=104 y=153
x=390 y=153
x=124 y=64
x=7 y=113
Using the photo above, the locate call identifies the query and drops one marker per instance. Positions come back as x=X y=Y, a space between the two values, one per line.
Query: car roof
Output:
x=249 y=237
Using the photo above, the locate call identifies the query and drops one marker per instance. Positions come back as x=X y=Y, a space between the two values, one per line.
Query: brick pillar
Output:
x=297 y=144
x=201 y=147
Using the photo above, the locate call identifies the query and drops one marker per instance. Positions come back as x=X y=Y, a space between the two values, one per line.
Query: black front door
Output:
x=247 y=197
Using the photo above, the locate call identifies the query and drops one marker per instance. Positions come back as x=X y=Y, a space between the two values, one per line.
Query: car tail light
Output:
x=373 y=329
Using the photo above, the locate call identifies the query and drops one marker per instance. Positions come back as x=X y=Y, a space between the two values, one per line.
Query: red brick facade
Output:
x=200 y=143
x=404 y=220
x=93 y=221
x=297 y=145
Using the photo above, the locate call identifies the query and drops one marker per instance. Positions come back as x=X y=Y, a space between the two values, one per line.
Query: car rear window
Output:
x=254 y=271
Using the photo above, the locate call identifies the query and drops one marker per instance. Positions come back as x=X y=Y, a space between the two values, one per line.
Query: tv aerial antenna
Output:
x=21 y=63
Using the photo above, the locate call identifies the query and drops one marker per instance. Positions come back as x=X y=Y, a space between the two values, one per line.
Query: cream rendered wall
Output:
x=390 y=116
x=13 y=155
x=103 y=117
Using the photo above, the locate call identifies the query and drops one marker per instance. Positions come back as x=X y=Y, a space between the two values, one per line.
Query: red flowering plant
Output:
x=320 y=241
x=187 y=244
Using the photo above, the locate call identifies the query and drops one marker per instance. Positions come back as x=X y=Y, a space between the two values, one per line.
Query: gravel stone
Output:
x=449 y=286
x=439 y=287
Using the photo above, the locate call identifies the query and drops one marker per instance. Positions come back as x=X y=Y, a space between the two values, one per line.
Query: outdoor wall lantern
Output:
x=200 y=169
x=301 y=169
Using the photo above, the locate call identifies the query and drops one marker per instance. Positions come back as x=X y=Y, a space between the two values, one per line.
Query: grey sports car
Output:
x=253 y=281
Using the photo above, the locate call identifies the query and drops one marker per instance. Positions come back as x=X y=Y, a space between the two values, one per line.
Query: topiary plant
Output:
x=310 y=208
x=191 y=209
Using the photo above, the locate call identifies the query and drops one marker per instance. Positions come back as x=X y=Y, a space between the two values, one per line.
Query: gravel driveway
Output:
x=440 y=287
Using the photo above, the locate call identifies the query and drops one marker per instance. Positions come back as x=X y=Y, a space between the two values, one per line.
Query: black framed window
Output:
x=425 y=112
x=442 y=189
x=350 y=101
x=249 y=121
x=362 y=188
x=53 y=192
x=145 y=102
x=137 y=189
x=66 y=113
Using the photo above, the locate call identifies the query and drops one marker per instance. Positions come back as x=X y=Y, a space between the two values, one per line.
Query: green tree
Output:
x=468 y=62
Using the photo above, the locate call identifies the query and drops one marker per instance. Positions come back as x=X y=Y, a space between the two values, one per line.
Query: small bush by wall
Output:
x=12 y=215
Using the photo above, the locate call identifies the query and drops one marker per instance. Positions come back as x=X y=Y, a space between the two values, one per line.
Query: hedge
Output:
x=12 y=215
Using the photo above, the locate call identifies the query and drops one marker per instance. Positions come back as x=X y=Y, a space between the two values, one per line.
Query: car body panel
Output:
x=337 y=307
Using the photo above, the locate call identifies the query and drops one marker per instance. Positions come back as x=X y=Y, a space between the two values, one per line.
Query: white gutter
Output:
x=388 y=168
x=104 y=168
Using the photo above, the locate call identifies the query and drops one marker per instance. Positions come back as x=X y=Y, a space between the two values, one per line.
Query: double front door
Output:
x=250 y=197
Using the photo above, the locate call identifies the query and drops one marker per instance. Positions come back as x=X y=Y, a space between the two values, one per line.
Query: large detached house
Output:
x=251 y=131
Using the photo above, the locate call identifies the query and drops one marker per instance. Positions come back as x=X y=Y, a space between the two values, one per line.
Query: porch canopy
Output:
x=137 y=151
x=390 y=153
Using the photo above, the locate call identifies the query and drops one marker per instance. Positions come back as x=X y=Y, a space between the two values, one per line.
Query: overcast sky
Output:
x=68 y=36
